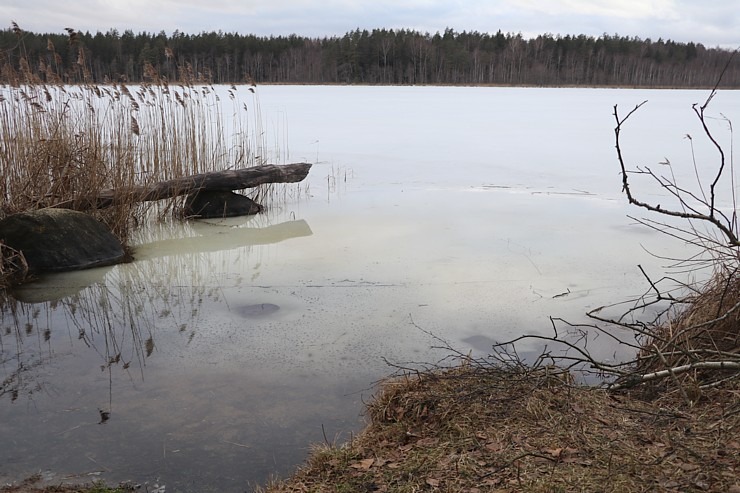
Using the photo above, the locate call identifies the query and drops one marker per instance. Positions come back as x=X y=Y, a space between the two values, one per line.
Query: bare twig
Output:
x=700 y=113
x=710 y=217
x=672 y=373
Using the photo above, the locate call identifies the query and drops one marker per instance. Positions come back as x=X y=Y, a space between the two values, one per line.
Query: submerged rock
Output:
x=56 y=240
x=258 y=310
x=207 y=204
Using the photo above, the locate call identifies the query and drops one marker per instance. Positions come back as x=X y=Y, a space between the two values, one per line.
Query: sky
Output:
x=710 y=22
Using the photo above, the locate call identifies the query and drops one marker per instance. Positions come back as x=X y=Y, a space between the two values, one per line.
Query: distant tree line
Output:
x=380 y=56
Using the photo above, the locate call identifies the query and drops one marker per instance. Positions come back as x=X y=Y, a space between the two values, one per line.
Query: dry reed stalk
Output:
x=707 y=330
x=63 y=144
x=70 y=143
x=13 y=266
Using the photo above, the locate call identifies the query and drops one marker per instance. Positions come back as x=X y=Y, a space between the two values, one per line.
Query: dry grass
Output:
x=13 y=266
x=67 y=144
x=698 y=348
x=473 y=429
x=710 y=321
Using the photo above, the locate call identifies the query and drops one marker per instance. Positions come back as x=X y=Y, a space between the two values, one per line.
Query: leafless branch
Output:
x=708 y=217
x=636 y=379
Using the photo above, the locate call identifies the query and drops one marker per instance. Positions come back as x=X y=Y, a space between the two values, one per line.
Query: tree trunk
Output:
x=215 y=180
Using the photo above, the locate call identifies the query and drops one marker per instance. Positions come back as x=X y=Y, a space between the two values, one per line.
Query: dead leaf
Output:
x=519 y=439
x=561 y=453
x=427 y=442
x=735 y=488
x=363 y=465
x=433 y=482
x=554 y=452
x=494 y=446
x=702 y=485
x=577 y=460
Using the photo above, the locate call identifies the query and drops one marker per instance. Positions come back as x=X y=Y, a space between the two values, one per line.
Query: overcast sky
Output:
x=710 y=22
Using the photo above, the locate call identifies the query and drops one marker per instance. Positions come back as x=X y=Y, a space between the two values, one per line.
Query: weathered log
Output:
x=216 y=180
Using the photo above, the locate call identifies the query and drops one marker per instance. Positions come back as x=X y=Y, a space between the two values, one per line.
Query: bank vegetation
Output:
x=379 y=56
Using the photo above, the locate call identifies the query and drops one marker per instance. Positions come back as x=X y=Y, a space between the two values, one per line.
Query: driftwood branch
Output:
x=216 y=181
x=637 y=379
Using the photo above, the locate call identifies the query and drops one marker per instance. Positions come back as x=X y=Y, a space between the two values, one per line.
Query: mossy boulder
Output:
x=57 y=240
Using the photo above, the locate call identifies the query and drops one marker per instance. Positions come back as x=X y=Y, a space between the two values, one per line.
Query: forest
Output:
x=380 y=56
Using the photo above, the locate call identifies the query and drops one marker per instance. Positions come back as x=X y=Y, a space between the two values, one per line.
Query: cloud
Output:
x=623 y=9
x=681 y=20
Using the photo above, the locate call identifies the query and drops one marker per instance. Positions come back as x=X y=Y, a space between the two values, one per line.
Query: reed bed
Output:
x=64 y=144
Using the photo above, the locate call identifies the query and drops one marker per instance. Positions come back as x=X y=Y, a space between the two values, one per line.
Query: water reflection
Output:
x=225 y=234
x=76 y=350
x=115 y=311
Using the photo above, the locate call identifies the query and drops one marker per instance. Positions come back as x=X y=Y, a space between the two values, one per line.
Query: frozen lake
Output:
x=217 y=358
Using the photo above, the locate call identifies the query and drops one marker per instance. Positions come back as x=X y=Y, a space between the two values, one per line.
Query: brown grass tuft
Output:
x=704 y=334
x=473 y=429
x=712 y=319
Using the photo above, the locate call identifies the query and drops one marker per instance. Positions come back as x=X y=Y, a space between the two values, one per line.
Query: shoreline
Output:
x=473 y=428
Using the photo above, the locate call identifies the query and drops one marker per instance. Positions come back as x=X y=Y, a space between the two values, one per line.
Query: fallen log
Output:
x=215 y=181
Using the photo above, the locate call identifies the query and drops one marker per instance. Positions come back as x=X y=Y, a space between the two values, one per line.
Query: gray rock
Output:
x=212 y=204
x=56 y=240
